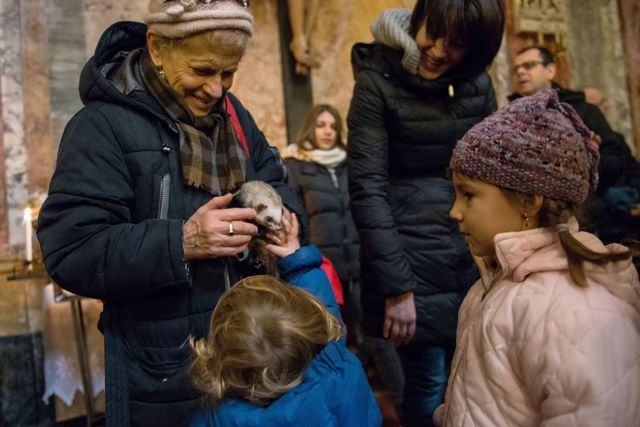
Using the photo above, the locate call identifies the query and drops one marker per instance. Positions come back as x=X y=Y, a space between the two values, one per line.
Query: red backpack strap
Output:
x=334 y=279
x=236 y=124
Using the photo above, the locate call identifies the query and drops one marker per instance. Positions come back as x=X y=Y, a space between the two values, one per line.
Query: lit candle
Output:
x=28 y=244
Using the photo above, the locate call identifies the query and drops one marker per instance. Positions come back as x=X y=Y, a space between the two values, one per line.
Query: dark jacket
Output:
x=331 y=226
x=111 y=228
x=402 y=130
x=335 y=390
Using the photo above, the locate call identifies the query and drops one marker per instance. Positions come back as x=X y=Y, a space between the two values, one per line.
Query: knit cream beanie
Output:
x=183 y=18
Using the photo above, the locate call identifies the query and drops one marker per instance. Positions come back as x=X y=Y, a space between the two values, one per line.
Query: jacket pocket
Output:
x=161 y=362
x=160 y=374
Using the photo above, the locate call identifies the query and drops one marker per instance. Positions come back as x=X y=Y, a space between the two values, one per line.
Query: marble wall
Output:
x=596 y=55
x=629 y=13
x=15 y=177
x=339 y=25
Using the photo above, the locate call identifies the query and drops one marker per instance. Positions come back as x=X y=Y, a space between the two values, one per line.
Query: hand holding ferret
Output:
x=215 y=230
x=285 y=241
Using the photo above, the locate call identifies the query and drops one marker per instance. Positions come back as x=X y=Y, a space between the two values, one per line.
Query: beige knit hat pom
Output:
x=183 y=18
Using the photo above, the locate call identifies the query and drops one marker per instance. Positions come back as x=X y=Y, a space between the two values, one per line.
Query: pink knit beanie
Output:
x=183 y=18
x=535 y=145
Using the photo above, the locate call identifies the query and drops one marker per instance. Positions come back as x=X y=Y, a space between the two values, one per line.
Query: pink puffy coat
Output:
x=533 y=349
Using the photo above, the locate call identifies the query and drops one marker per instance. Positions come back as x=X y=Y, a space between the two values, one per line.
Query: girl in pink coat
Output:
x=550 y=335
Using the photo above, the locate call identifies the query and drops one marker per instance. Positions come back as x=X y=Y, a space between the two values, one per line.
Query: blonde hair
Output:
x=555 y=212
x=264 y=333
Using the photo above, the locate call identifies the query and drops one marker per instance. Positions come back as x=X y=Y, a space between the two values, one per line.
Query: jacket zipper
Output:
x=163 y=202
x=227 y=282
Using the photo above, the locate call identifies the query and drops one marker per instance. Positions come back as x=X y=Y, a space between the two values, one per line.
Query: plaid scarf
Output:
x=211 y=156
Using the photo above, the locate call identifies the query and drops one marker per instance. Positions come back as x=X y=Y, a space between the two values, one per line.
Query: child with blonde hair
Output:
x=275 y=354
x=550 y=334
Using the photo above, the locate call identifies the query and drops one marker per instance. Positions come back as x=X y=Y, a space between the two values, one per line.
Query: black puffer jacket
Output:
x=111 y=229
x=331 y=226
x=402 y=130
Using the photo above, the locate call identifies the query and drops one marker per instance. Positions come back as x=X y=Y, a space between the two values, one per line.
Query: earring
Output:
x=526 y=220
x=161 y=73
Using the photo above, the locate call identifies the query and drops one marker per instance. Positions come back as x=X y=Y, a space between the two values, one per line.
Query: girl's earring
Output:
x=526 y=220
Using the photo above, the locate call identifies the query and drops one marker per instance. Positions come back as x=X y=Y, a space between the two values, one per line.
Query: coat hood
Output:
x=112 y=73
x=386 y=61
x=395 y=52
x=539 y=250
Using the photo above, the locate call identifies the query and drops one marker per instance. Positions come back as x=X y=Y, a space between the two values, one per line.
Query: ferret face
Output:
x=270 y=217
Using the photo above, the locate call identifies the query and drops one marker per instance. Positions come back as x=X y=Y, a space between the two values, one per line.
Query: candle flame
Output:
x=27 y=215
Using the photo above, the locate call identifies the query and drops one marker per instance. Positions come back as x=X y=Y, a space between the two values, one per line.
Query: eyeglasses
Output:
x=528 y=65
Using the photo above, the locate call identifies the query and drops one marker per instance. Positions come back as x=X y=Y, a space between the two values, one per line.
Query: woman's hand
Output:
x=399 y=319
x=208 y=233
x=285 y=241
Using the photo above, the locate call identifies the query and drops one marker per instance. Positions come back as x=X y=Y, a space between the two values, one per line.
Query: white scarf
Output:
x=327 y=158
x=392 y=29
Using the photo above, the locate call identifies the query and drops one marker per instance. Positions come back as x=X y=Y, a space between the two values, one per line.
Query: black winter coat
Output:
x=402 y=130
x=111 y=228
x=331 y=226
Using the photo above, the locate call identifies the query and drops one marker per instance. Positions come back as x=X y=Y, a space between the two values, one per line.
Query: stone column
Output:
x=596 y=56
x=35 y=86
x=4 y=225
x=67 y=56
x=11 y=92
x=629 y=12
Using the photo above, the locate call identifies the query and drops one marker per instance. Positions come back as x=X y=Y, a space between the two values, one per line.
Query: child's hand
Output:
x=285 y=241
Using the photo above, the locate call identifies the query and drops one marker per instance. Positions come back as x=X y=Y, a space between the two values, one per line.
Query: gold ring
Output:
x=230 y=231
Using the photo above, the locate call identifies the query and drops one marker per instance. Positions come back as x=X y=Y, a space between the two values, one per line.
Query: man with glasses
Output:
x=533 y=70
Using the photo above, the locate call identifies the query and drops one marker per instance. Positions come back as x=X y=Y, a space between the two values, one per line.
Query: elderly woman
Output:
x=138 y=210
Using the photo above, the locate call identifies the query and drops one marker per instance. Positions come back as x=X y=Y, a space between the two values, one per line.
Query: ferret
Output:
x=265 y=200
x=267 y=203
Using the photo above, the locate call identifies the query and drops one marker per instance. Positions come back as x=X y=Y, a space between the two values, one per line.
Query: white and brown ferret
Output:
x=267 y=203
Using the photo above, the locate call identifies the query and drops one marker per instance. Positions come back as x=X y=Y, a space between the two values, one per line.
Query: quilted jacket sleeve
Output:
x=368 y=150
x=570 y=367
x=89 y=241
x=302 y=269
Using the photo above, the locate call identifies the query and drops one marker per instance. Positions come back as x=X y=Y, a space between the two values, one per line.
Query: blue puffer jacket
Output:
x=335 y=390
